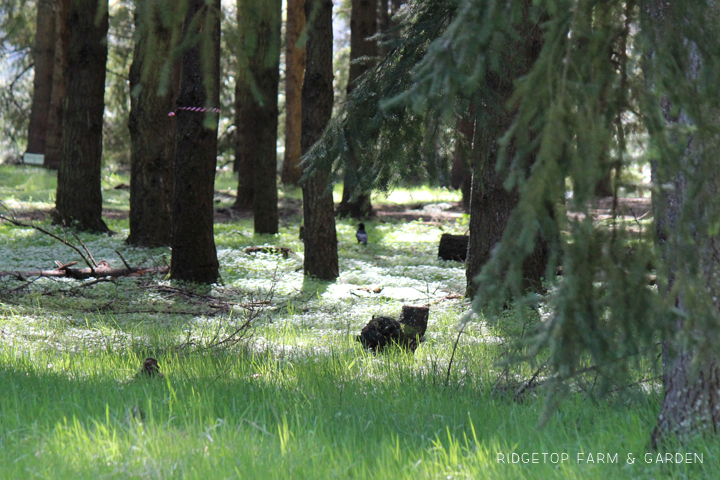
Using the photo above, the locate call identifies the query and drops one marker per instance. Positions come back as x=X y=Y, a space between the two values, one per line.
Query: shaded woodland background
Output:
x=542 y=108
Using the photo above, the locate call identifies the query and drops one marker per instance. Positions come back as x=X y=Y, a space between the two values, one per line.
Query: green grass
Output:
x=299 y=398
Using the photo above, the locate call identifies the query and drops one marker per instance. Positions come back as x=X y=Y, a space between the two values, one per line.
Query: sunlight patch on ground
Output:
x=421 y=194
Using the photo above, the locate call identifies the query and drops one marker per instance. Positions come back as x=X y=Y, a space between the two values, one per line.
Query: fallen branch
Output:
x=103 y=270
x=42 y=230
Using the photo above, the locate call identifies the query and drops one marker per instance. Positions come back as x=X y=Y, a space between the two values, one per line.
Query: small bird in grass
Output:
x=361 y=234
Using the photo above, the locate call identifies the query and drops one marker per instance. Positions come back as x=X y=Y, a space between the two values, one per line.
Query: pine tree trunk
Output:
x=194 y=257
x=691 y=376
x=321 y=258
x=152 y=131
x=383 y=21
x=604 y=187
x=490 y=202
x=79 y=194
x=53 y=137
x=692 y=379
x=294 y=72
x=363 y=25
x=490 y=208
x=257 y=109
x=244 y=164
x=44 y=59
x=461 y=174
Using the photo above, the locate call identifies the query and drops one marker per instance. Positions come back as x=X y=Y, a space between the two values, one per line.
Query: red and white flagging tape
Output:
x=194 y=109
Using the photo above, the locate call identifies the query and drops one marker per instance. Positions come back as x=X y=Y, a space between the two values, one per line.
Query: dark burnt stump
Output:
x=413 y=321
x=381 y=332
x=453 y=247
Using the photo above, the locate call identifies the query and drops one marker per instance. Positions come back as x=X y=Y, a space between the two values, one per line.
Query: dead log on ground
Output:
x=103 y=270
x=453 y=247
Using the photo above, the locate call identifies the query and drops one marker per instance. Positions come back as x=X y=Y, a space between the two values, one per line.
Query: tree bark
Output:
x=490 y=202
x=194 y=257
x=363 y=25
x=53 y=137
x=294 y=72
x=684 y=217
x=257 y=109
x=152 y=131
x=321 y=257
x=44 y=59
x=490 y=207
x=691 y=378
x=461 y=174
x=79 y=194
x=244 y=164
x=384 y=16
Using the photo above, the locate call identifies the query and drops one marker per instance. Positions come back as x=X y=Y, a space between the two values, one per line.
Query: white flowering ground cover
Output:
x=297 y=396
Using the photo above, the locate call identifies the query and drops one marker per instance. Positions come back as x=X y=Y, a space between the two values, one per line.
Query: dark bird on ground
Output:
x=150 y=369
x=361 y=234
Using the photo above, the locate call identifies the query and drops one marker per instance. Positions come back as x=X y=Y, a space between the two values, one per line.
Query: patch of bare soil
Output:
x=628 y=209
x=290 y=207
x=287 y=208
x=431 y=213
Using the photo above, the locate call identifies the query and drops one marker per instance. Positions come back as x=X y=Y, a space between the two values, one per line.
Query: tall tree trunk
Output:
x=294 y=72
x=384 y=17
x=321 y=257
x=79 y=195
x=194 y=257
x=605 y=187
x=490 y=202
x=363 y=25
x=386 y=10
x=244 y=164
x=257 y=109
x=490 y=207
x=691 y=378
x=684 y=215
x=53 y=136
x=44 y=59
x=152 y=131
x=461 y=174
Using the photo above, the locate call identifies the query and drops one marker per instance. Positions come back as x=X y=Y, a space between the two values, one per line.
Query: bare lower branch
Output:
x=42 y=230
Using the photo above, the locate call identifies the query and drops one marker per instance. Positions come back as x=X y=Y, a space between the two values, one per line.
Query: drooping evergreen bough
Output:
x=612 y=80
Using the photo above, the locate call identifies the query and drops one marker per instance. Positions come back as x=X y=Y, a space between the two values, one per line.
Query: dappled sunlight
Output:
x=297 y=382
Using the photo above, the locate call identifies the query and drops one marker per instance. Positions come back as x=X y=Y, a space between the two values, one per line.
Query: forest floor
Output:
x=295 y=395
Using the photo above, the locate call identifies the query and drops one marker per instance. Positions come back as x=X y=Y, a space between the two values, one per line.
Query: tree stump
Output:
x=413 y=321
x=382 y=331
x=453 y=247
